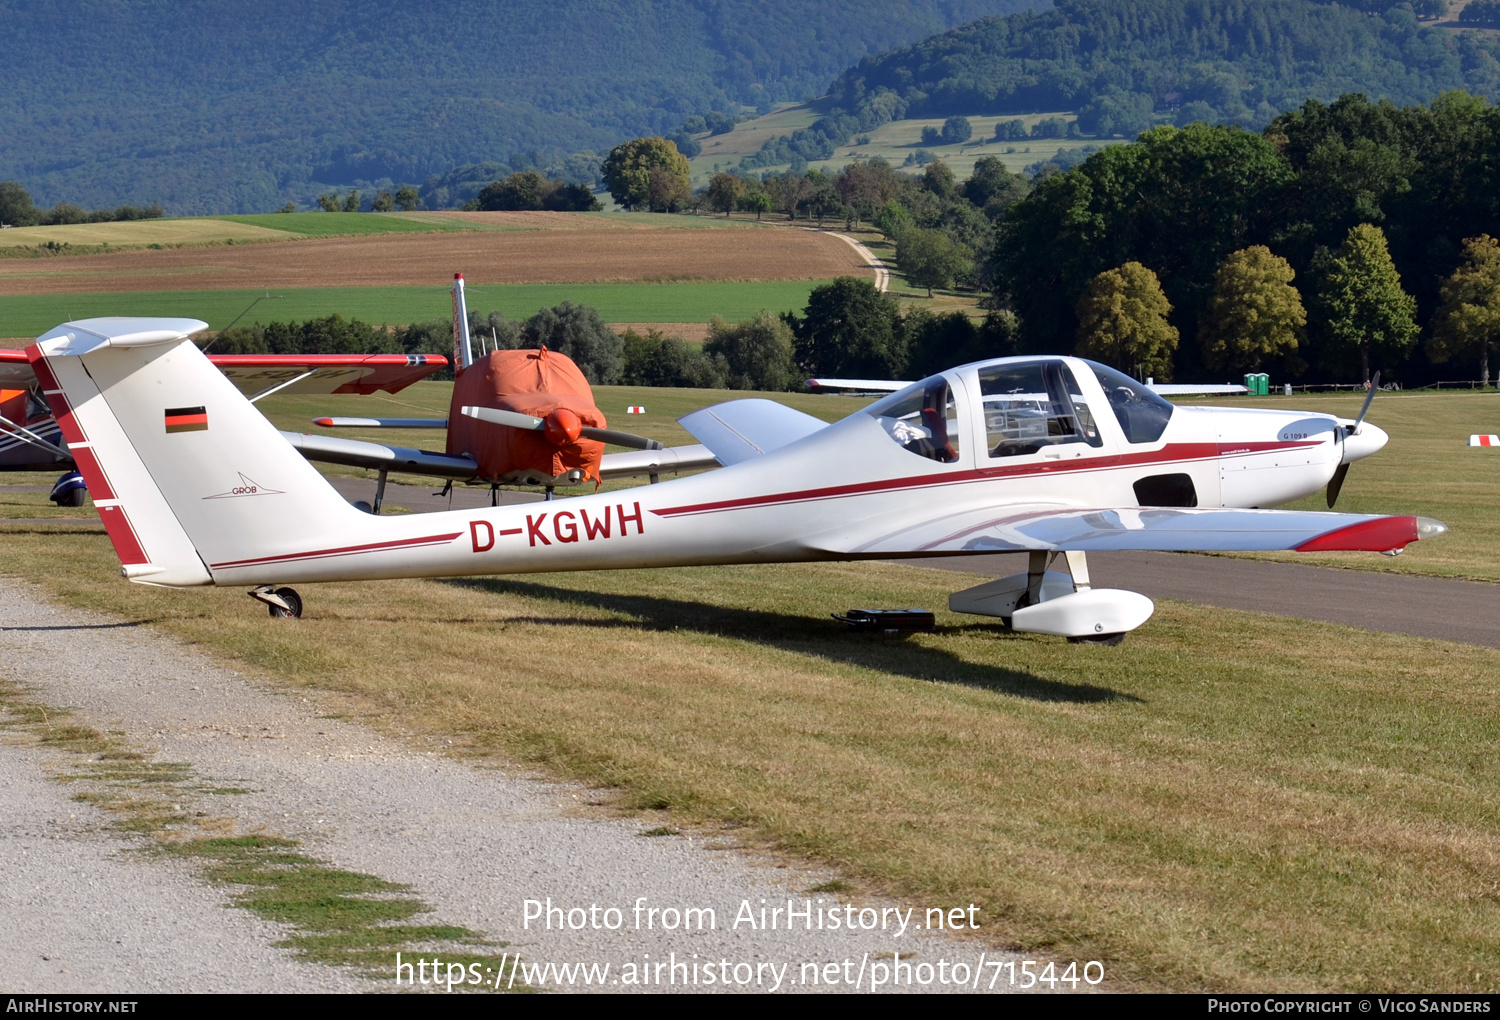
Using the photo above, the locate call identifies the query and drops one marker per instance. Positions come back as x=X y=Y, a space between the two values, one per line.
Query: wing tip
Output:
x=1379 y=534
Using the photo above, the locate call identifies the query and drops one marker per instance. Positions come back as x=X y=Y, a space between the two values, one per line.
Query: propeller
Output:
x=1336 y=483
x=561 y=427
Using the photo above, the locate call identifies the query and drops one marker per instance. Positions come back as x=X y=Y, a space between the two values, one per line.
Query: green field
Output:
x=341 y=224
x=33 y=314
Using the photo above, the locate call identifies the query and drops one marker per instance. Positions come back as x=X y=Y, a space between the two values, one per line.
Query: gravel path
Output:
x=474 y=842
x=82 y=914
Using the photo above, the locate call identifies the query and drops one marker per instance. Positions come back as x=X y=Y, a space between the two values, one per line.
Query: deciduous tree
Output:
x=627 y=171
x=667 y=192
x=579 y=332
x=757 y=201
x=724 y=191
x=850 y=329
x=928 y=258
x=16 y=207
x=408 y=198
x=956 y=130
x=1468 y=321
x=1360 y=300
x=1122 y=321
x=758 y=354
x=1255 y=312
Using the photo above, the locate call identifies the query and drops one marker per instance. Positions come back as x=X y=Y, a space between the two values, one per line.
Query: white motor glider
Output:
x=1047 y=455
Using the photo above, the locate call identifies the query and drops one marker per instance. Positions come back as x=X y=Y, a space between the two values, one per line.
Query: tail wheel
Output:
x=293 y=602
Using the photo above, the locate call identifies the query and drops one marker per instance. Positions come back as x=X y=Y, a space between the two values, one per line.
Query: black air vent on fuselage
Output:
x=1166 y=490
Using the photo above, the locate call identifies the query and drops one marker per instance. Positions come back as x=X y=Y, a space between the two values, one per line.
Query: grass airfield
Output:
x=1229 y=801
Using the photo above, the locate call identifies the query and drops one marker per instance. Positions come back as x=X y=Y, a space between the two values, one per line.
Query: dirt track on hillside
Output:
x=541 y=248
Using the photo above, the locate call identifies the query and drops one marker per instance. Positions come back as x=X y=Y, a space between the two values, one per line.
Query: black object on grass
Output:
x=887 y=621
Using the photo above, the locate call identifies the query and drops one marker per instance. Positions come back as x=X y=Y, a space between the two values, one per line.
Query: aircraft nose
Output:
x=562 y=427
x=1369 y=440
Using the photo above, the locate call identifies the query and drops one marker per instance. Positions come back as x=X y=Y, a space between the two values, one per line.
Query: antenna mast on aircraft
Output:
x=463 y=353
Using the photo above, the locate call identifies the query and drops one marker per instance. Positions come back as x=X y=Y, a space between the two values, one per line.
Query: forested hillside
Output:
x=223 y=105
x=1119 y=62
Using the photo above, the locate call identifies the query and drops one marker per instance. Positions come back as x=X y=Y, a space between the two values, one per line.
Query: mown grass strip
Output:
x=336 y=917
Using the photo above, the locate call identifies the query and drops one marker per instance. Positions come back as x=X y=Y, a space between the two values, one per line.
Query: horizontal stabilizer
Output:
x=740 y=430
x=856 y=385
x=673 y=460
x=1197 y=389
x=379 y=457
x=74 y=339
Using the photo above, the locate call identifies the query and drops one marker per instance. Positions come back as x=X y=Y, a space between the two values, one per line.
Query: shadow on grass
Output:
x=801 y=634
x=83 y=626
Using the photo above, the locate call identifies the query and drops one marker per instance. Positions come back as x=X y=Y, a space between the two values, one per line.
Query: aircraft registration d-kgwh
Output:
x=1046 y=455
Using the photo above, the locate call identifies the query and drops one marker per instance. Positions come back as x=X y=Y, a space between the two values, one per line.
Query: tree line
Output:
x=1343 y=197
x=847 y=328
x=18 y=210
x=755 y=354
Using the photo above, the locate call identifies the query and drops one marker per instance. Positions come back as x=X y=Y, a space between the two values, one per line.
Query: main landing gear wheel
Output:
x=1098 y=639
x=293 y=610
x=284 y=603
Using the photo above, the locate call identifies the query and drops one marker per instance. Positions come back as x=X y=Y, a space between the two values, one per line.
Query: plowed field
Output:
x=537 y=248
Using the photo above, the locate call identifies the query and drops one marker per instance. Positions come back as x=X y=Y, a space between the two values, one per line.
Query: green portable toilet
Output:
x=1258 y=384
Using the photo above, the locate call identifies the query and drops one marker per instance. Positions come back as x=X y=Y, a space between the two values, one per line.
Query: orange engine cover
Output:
x=543 y=384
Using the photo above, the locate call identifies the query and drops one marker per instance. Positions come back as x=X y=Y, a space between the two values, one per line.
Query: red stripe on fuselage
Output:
x=348 y=550
x=1173 y=453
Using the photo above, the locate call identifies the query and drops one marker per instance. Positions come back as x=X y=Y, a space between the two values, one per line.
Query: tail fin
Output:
x=186 y=473
x=463 y=347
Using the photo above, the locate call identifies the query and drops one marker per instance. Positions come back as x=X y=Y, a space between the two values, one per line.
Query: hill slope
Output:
x=1243 y=60
x=222 y=105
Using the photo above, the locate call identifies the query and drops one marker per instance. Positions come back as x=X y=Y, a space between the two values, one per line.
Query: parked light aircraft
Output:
x=1046 y=455
x=523 y=417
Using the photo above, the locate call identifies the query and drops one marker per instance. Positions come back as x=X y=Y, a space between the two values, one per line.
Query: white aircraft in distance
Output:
x=1047 y=455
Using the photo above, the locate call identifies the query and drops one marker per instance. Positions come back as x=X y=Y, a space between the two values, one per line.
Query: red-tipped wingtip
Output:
x=1383 y=534
x=327 y=423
